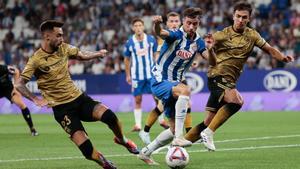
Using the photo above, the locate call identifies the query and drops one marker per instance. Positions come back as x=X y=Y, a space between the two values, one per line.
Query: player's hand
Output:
x=157 y=19
x=128 y=80
x=288 y=59
x=103 y=53
x=209 y=41
x=40 y=102
x=11 y=69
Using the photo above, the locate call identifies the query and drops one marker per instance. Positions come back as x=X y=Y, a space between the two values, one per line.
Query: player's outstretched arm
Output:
x=87 y=55
x=20 y=85
x=275 y=53
x=157 y=20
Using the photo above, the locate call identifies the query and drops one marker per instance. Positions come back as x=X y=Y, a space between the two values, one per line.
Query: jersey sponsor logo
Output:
x=280 y=80
x=141 y=52
x=184 y=54
x=194 y=81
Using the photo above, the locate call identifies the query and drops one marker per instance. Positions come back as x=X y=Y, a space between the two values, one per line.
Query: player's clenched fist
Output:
x=157 y=19
x=103 y=52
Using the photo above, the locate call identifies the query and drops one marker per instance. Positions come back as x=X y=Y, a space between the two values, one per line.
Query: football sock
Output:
x=86 y=149
x=113 y=123
x=188 y=120
x=194 y=134
x=223 y=114
x=180 y=113
x=90 y=153
x=152 y=117
x=27 y=117
x=138 y=117
x=162 y=139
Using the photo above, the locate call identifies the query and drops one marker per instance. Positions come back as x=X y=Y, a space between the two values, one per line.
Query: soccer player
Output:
x=139 y=58
x=232 y=46
x=176 y=56
x=8 y=91
x=49 y=65
x=173 y=23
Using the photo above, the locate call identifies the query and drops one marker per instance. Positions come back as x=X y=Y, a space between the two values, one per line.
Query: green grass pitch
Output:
x=249 y=140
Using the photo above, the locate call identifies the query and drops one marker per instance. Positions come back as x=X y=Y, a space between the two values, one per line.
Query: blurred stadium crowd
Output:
x=93 y=25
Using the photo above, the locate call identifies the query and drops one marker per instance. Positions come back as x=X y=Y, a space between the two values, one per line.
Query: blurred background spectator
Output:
x=93 y=25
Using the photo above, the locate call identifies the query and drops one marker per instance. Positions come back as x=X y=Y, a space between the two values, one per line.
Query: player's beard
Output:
x=54 y=46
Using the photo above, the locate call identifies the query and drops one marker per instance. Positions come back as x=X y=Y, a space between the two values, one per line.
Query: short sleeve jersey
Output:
x=51 y=72
x=232 y=50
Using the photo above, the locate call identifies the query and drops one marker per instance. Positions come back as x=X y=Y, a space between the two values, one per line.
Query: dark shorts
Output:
x=6 y=91
x=217 y=86
x=70 y=115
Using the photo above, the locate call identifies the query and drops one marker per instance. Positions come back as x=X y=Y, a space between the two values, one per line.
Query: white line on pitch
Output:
x=238 y=140
x=127 y=155
x=190 y=151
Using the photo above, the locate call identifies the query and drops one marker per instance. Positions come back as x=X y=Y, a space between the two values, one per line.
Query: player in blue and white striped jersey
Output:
x=176 y=56
x=139 y=58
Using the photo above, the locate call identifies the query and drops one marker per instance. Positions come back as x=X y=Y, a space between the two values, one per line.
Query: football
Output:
x=177 y=157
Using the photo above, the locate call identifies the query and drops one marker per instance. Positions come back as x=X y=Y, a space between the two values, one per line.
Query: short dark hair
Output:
x=192 y=12
x=50 y=24
x=243 y=6
x=134 y=20
x=172 y=14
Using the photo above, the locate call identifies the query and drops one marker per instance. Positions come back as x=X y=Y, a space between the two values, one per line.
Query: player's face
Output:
x=56 y=38
x=240 y=19
x=190 y=25
x=138 y=28
x=173 y=22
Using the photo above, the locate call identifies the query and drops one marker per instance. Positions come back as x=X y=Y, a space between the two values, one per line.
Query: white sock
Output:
x=180 y=113
x=162 y=139
x=138 y=117
x=208 y=131
x=161 y=118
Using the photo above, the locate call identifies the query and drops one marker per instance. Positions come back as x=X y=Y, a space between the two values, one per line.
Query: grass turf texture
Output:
x=249 y=140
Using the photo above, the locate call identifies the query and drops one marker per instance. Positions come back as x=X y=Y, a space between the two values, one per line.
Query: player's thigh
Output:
x=90 y=110
x=141 y=87
x=181 y=89
x=68 y=120
x=163 y=90
x=7 y=91
x=216 y=98
x=233 y=96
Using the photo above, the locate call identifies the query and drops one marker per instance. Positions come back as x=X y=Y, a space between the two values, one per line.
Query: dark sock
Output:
x=86 y=149
x=27 y=117
x=113 y=123
x=188 y=129
x=194 y=134
x=147 y=128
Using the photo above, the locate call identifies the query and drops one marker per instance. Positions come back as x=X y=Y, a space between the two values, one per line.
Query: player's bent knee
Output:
x=86 y=149
x=186 y=91
x=109 y=118
x=78 y=137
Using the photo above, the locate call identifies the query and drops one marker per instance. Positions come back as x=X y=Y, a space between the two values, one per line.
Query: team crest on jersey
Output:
x=184 y=54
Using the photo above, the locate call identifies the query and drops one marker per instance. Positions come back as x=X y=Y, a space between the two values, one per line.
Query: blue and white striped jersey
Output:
x=176 y=56
x=142 y=56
